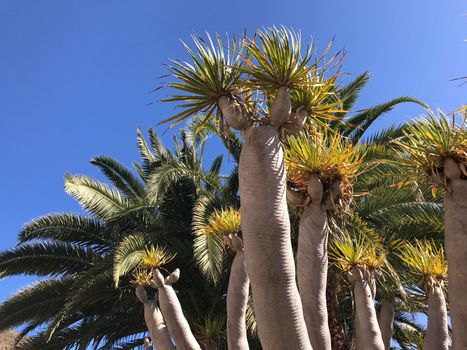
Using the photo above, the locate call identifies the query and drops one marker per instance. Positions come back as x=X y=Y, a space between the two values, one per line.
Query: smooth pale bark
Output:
x=237 y=299
x=295 y=123
x=268 y=250
x=154 y=322
x=281 y=107
x=178 y=326
x=234 y=113
x=386 y=323
x=312 y=267
x=368 y=334
x=437 y=335
x=455 y=232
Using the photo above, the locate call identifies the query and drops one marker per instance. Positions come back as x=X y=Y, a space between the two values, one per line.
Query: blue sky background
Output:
x=76 y=76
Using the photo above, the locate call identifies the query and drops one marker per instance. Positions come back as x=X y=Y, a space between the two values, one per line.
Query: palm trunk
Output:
x=178 y=326
x=154 y=321
x=268 y=250
x=437 y=336
x=237 y=300
x=386 y=323
x=455 y=231
x=312 y=263
x=368 y=334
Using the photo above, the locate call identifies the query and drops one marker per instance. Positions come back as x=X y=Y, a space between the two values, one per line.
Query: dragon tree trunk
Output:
x=178 y=326
x=154 y=322
x=386 y=323
x=455 y=231
x=312 y=268
x=266 y=229
x=237 y=300
x=268 y=250
x=437 y=336
x=368 y=334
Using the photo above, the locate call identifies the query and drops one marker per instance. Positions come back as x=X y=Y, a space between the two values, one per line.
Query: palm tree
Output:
x=78 y=304
x=434 y=149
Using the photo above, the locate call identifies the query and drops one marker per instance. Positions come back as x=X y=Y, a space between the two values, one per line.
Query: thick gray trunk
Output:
x=178 y=326
x=455 y=230
x=312 y=268
x=237 y=301
x=235 y=114
x=437 y=336
x=368 y=334
x=386 y=323
x=268 y=250
x=154 y=322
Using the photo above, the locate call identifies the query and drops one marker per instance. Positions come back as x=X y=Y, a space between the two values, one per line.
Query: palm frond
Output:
x=349 y=93
x=120 y=176
x=212 y=229
x=128 y=255
x=94 y=196
x=36 y=303
x=148 y=158
x=360 y=122
x=69 y=228
x=46 y=258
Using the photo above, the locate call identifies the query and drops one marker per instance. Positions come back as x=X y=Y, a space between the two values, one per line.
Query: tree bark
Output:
x=386 y=323
x=237 y=300
x=178 y=326
x=455 y=230
x=312 y=263
x=154 y=321
x=368 y=334
x=437 y=336
x=268 y=250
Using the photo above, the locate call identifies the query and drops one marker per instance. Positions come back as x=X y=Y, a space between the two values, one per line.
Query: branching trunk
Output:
x=268 y=250
x=312 y=267
x=237 y=300
x=455 y=230
x=367 y=332
x=386 y=323
x=437 y=336
x=178 y=326
x=154 y=321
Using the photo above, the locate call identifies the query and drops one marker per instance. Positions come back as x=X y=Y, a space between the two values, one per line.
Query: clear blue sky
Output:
x=76 y=76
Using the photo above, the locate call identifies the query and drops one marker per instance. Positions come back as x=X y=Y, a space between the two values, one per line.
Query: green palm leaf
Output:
x=120 y=176
x=128 y=255
x=66 y=228
x=36 y=303
x=94 y=196
x=360 y=122
x=46 y=258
